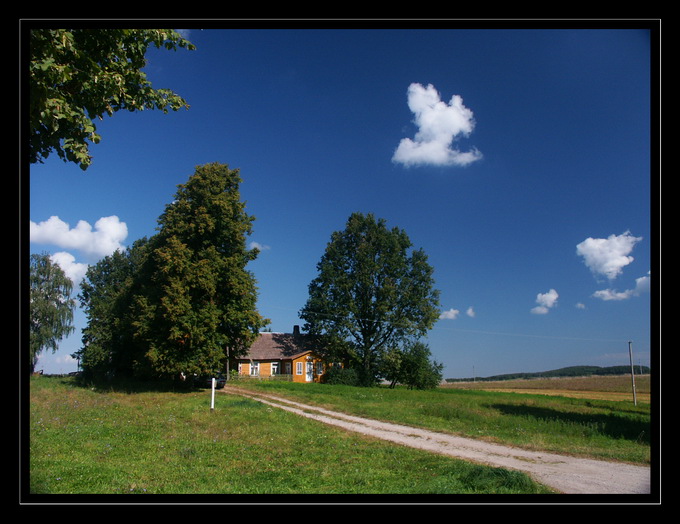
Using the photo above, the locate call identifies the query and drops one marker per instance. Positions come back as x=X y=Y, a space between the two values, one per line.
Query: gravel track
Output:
x=565 y=474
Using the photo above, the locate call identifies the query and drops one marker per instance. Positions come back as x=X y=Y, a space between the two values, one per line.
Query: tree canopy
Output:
x=109 y=345
x=51 y=306
x=411 y=366
x=372 y=293
x=79 y=75
x=183 y=300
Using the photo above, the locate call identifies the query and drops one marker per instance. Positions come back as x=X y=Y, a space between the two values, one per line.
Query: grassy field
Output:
x=537 y=420
x=613 y=387
x=90 y=441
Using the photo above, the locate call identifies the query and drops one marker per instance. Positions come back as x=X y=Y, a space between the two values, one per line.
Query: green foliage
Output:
x=336 y=375
x=182 y=300
x=51 y=308
x=79 y=75
x=411 y=366
x=106 y=294
x=371 y=294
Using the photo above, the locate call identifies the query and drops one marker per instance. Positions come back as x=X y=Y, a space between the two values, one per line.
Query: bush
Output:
x=341 y=376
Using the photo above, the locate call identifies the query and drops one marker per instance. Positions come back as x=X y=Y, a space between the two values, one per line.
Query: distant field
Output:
x=610 y=387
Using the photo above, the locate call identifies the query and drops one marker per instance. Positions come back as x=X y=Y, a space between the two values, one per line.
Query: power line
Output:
x=479 y=332
x=583 y=339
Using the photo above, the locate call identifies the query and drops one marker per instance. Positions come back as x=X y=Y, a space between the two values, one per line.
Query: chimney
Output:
x=296 y=331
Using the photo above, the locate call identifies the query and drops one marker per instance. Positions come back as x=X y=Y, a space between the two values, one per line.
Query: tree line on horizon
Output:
x=571 y=371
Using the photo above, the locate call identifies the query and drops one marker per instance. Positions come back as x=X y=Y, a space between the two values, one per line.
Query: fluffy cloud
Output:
x=641 y=286
x=451 y=314
x=608 y=256
x=439 y=124
x=67 y=262
x=106 y=237
x=545 y=301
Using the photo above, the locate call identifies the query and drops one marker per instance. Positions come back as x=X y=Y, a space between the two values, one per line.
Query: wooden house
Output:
x=289 y=355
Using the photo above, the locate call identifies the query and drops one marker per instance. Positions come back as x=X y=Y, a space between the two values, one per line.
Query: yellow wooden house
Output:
x=286 y=355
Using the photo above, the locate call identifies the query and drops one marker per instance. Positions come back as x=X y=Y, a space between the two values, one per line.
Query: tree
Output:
x=196 y=301
x=51 y=308
x=78 y=75
x=372 y=293
x=412 y=367
x=105 y=295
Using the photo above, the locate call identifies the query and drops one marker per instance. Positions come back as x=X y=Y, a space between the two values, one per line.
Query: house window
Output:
x=319 y=368
x=254 y=369
x=288 y=368
x=298 y=368
x=275 y=368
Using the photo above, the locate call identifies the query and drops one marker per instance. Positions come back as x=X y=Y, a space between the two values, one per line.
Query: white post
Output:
x=212 y=397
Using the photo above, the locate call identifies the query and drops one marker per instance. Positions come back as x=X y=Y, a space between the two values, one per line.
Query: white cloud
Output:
x=258 y=246
x=641 y=286
x=67 y=262
x=439 y=124
x=470 y=312
x=105 y=239
x=451 y=314
x=580 y=305
x=608 y=256
x=545 y=301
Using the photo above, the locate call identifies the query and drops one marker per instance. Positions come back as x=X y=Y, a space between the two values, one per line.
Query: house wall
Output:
x=298 y=368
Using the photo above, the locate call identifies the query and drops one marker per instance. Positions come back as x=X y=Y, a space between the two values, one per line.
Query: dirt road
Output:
x=565 y=474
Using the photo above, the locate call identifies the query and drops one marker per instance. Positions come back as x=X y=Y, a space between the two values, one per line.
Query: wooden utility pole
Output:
x=632 y=371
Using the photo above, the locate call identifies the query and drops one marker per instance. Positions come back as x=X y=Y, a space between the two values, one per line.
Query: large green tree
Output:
x=411 y=365
x=51 y=306
x=106 y=292
x=373 y=292
x=79 y=75
x=197 y=301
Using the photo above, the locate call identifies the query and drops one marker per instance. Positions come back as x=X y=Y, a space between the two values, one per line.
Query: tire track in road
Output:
x=565 y=474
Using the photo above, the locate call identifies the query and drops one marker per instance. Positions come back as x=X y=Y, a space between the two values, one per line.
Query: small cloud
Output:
x=439 y=124
x=608 y=256
x=258 y=246
x=106 y=237
x=451 y=314
x=580 y=305
x=610 y=294
x=641 y=286
x=545 y=302
x=470 y=312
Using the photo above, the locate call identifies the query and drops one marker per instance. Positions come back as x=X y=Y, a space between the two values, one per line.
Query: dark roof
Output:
x=275 y=346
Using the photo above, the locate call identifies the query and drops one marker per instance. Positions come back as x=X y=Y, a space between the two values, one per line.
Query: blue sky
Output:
x=519 y=160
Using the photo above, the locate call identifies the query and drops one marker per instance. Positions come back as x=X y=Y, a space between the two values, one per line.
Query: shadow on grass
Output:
x=610 y=425
x=128 y=385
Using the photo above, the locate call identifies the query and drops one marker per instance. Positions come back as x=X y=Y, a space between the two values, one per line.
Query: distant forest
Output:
x=573 y=371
